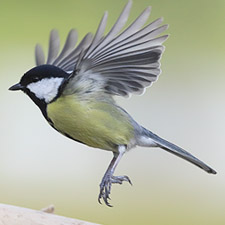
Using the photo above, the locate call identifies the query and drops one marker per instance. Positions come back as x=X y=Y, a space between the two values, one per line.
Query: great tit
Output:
x=74 y=89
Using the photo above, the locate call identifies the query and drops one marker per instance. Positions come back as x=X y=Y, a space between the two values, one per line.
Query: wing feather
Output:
x=53 y=46
x=132 y=49
x=135 y=26
x=68 y=47
x=69 y=62
x=99 y=34
x=132 y=40
x=39 y=55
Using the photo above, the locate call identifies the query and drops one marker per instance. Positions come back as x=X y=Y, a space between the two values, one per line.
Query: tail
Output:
x=160 y=142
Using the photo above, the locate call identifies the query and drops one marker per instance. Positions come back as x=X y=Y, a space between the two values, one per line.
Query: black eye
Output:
x=35 y=79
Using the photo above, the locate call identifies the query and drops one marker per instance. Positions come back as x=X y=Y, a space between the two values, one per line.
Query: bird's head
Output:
x=42 y=83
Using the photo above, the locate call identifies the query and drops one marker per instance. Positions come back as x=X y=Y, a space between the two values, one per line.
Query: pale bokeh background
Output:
x=38 y=166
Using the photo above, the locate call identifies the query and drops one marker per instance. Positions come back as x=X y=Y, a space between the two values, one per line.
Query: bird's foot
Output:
x=106 y=184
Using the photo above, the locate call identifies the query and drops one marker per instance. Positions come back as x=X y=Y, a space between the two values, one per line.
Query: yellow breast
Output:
x=96 y=123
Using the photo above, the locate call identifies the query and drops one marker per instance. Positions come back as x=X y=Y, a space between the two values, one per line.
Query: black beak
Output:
x=16 y=87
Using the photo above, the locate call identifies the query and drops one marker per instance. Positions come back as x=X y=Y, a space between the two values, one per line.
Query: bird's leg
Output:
x=108 y=178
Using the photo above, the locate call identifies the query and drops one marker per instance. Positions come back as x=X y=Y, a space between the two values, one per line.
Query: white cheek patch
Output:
x=46 y=88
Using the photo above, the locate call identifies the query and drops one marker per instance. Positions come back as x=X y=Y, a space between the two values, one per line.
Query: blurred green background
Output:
x=38 y=166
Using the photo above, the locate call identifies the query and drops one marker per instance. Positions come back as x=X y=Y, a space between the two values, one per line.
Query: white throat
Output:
x=46 y=88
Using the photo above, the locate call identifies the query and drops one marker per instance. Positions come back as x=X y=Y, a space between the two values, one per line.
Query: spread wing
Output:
x=121 y=62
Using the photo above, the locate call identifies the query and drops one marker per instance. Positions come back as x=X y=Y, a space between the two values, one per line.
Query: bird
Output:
x=75 y=88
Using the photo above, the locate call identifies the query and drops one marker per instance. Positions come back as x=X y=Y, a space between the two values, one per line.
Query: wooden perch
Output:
x=13 y=215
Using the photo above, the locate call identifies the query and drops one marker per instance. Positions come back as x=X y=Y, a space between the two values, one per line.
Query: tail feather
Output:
x=178 y=151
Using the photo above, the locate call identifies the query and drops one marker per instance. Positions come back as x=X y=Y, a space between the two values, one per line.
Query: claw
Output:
x=99 y=199
x=128 y=180
x=106 y=185
x=106 y=201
